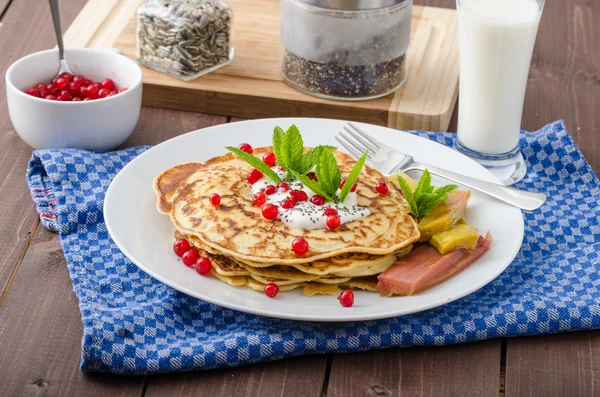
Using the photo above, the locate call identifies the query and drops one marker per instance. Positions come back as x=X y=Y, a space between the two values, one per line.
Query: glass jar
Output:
x=184 y=38
x=345 y=49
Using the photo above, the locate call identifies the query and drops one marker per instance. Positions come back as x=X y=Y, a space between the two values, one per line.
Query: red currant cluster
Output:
x=67 y=87
x=191 y=256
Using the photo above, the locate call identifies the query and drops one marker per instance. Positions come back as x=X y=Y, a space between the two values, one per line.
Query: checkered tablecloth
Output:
x=133 y=324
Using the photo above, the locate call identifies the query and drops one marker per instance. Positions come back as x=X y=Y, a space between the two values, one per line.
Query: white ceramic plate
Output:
x=146 y=237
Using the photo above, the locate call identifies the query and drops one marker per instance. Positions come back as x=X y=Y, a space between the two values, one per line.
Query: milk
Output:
x=496 y=39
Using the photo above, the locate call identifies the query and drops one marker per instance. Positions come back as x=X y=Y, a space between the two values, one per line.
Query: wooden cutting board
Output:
x=252 y=87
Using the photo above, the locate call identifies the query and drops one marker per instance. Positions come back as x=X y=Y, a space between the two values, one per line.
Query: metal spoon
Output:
x=64 y=68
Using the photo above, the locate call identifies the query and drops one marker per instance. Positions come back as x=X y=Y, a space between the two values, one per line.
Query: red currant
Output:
x=299 y=195
x=269 y=159
x=343 y=182
x=317 y=200
x=288 y=203
x=333 y=222
x=51 y=89
x=74 y=89
x=382 y=188
x=91 y=91
x=190 y=257
x=50 y=97
x=271 y=290
x=80 y=80
x=63 y=98
x=346 y=298
x=214 y=199
x=33 y=92
x=67 y=76
x=283 y=187
x=270 y=211
x=245 y=147
x=270 y=189
x=181 y=246
x=331 y=211
x=66 y=94
x=312 y=176
x=87 y=82
x=61 y=83
x=300 y=246
x=259 y=198
x=103 y=93
x=203 y=265
x=41 y=87
x=254 y=175
x=108 y=84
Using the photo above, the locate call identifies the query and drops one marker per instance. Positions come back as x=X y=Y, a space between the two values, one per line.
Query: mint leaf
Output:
x=312 y=185
x=424 y=187
x=256 y=163
x=328 y=172
x=310 y=158
x=408 y=195
x=432 y=200
x=293 y=148
x=353 y=176
x=278 y=135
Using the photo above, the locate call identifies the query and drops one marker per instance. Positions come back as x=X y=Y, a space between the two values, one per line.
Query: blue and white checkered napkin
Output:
x=133 y=324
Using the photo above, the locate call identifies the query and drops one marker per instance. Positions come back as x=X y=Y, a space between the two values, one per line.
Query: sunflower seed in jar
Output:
x=184 y=38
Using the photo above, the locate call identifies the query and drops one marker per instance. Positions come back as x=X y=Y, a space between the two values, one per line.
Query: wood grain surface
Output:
x=418 y=372
x=40 y=326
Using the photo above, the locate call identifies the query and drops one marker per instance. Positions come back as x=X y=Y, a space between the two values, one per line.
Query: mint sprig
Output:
x=255 y=162
x=353 y=176
x=328 y=173
x=425 y=197
x=310 y=158
x=278 y=135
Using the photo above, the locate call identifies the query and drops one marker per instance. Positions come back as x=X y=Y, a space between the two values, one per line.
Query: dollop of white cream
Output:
x=306 y=215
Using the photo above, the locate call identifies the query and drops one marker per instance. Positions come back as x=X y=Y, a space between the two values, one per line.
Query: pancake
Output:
x=237 y=229
x=345 y=265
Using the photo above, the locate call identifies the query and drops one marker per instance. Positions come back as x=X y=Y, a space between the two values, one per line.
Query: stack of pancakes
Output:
x=248 y=250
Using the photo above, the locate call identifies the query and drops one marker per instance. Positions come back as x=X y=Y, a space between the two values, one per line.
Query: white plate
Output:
x=146 y=237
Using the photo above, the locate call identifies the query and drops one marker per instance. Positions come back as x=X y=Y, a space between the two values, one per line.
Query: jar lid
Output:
x=354 y=5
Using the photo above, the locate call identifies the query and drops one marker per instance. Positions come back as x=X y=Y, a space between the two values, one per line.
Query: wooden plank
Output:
x=300 y=376
x=251 y=86
x=554 y=365
x=18 y=214
x=469 y=369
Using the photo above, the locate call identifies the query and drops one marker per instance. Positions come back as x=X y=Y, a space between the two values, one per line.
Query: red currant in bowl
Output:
x=60 y=119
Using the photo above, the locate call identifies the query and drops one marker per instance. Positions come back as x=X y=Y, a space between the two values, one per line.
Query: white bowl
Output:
x=101 y=124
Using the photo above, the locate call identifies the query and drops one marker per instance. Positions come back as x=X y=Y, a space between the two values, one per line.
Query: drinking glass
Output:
x=496 y=40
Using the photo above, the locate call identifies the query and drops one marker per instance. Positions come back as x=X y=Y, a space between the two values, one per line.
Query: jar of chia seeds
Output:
x=345 y=49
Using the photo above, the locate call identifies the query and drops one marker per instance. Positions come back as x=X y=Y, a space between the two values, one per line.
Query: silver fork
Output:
x=390 y=161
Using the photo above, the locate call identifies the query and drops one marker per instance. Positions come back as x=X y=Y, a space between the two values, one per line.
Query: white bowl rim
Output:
x=15 y=65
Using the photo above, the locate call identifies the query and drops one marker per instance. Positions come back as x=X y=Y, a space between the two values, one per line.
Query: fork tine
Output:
x=371 y=147
x=369 y=138
x=359 y=149
x=349 y=148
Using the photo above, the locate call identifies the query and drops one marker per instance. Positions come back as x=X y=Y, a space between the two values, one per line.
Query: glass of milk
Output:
x=496 y=39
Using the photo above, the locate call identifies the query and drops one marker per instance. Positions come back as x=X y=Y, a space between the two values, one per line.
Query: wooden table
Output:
x=40 y=326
